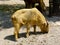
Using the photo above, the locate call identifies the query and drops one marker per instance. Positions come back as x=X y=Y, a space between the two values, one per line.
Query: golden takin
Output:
x=29 y=17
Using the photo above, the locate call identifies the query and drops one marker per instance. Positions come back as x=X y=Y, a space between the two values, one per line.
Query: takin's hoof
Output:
x=27 y=35
x=16 y=40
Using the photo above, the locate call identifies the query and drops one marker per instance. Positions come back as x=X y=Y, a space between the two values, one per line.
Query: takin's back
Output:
x=29 y=15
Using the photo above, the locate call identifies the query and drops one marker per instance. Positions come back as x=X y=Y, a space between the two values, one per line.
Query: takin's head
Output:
x=44 y=27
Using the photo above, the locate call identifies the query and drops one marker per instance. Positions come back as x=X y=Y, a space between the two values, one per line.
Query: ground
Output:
x=7 y=29
x=50 y=38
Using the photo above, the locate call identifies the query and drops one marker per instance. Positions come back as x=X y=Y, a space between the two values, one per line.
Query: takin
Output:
x=29 y=17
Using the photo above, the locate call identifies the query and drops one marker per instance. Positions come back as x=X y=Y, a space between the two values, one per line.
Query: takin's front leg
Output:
x=34 y=29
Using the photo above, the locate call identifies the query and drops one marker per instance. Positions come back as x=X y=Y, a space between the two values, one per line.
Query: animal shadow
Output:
x=12 y=38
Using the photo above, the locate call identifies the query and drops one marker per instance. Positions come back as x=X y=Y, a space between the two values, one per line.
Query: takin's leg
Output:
x=28 y=30
x=16 y=27
x=16 y=31
x=34 y=29
x=42 y=5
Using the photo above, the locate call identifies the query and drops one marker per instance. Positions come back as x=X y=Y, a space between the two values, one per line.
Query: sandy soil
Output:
x=7 y=37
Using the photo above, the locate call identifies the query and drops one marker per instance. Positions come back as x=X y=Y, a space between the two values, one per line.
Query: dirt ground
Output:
x=7 y=37
x=7 y=29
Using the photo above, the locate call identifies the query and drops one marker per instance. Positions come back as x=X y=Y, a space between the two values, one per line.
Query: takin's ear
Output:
x=47 y=24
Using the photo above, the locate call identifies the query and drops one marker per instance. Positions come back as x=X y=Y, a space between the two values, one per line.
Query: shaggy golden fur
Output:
x=29 y=17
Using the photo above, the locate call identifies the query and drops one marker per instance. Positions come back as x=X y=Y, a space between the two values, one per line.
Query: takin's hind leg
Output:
x=28 y=30
x=16 y=32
